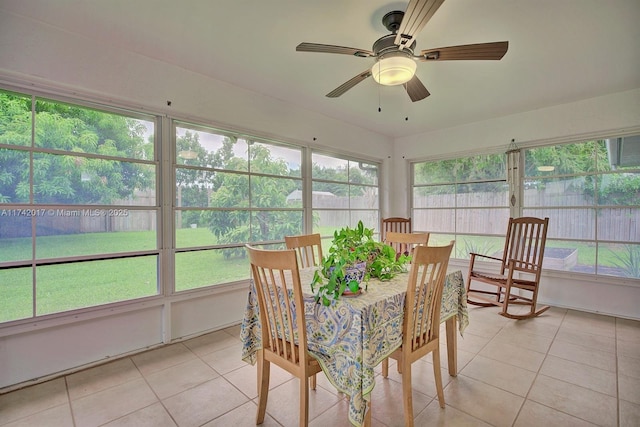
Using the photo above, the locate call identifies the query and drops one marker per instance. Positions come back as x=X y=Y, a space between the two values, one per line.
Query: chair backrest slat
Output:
x=424 y=295
x=277 y=281
x=404 y=243
x=396 y=225
x=308 y=249
x=524 y=243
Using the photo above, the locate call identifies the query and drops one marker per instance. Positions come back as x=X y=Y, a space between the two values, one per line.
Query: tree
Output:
x=71 y=178
x=268 y=192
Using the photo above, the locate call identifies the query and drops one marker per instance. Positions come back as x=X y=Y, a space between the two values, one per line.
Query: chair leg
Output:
x=437 y=374
x=304 y=402
x=263 y=389
x=385 y=367
x=313 y=382
x=407 y=395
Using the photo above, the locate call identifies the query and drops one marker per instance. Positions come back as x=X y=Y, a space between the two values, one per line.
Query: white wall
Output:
x=606 y=115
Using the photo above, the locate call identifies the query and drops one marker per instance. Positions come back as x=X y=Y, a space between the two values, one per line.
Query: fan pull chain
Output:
x=379 y=106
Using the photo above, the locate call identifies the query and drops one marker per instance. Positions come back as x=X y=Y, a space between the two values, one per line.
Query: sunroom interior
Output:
x=229 y=70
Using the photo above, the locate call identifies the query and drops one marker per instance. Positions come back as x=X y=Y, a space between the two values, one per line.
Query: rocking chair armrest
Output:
x=473 y=255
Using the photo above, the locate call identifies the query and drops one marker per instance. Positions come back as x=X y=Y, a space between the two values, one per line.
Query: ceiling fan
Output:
x=394 y=53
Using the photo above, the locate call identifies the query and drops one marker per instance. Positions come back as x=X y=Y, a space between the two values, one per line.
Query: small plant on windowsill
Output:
x=354 y=257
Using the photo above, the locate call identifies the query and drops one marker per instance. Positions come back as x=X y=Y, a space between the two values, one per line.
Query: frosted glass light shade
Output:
x=394 y=70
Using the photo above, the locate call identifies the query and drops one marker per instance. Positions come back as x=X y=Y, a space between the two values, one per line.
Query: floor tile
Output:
x=422 y=377
x=599 y=380
x=629 y=414
x=499 y=374
x=585 y=355
x=590 y=322
x=629 y=366
x=152 y=416
x=628 y=330
x=387 y=402
x=204 y=403
x=211 y=342
x=585 y=339
x=513 y=354
x=534 y=414
x=629 y=389
x=629 y=348
x=179 y=378
x=107 y=405
x=58 y=416
x=242 y=416
x=31 y=400
x=161 y=358
x=483 y=401
x=574 y=400
x=245 y=379
x=101 y=377
x=435 y=416
x=524 y=338
x=225 y=360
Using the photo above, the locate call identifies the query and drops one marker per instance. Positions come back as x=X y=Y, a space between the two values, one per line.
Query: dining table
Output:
x=354 y=334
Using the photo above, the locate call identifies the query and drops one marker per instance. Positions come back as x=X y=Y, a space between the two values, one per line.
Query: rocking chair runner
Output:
x=520 y=268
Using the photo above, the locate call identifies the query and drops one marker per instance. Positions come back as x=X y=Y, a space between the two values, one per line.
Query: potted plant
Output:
x=353 y=258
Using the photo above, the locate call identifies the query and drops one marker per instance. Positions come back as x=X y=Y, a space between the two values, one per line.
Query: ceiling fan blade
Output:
x=415 y=89
x=327 y=48
x=418 y=13
x=494 y=50
x=348 y=84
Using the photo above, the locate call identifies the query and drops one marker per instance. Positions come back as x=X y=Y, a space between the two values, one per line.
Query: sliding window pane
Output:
x=481 y=221
x=85 y=284
x=268 y=192
x=481 y=168
x=483 y=194
x=16 y=293
x=369 y=218
x=436 y=196
x=484 y=245
x=65 y=232
x=441 y=172
x=69 y=127
x=194 y=228
x=327 y=221
x=362 y=197
x=330 y=195
x=275 y=160
x=363 y=173
x=211 y=267
x=206 y=148
x=578 y=223
x=570 y=256
x=621 y=224
x=83 y=180
x=329 y=168
x=228 y=226
x=559 y=191
x=16 y=120
x=15 y=233
x=621 y=260
x=434 y=220
x=274 y=225
x=620 y=189
x=231 y=190
x=14 y=176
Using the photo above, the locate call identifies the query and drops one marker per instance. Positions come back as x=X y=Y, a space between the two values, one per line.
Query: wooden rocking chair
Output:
x=519 y=269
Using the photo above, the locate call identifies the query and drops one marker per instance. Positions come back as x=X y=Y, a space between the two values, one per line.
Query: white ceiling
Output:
x=560 y=51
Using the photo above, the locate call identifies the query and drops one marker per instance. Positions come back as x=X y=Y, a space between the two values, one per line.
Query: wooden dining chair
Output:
x=282 y=319
x=519 y=269
x=421 y=325
x=395 y=224
x=404 y=243
x=308 y=249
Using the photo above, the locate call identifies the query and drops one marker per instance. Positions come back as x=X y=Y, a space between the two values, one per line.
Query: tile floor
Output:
x=564 y=368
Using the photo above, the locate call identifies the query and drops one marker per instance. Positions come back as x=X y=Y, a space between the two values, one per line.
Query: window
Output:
x=84 y=222
x=78 y=207
x=230 y=190
x=591 y=193
x=463 y=199
x=344 y=192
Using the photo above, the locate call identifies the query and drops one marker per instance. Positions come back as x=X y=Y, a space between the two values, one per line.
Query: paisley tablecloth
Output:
x=353 y=335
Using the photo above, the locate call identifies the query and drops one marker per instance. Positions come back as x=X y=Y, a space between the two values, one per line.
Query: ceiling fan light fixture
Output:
x=392 y=70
